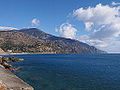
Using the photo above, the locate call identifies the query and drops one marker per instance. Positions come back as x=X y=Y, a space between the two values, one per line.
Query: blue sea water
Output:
x=70 y=71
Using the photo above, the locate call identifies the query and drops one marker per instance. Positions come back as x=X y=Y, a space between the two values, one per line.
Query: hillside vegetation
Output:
x=33 y=40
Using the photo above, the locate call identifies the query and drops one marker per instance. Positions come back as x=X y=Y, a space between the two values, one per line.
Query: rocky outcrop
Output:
x=9 y=81
x=4 y=60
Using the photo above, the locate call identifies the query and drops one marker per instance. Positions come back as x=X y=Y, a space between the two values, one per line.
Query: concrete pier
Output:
x=9 y=81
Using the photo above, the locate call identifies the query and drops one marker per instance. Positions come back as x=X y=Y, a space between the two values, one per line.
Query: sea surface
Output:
x=70 y=71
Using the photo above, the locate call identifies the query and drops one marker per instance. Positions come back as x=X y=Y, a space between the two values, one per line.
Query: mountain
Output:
x=32 y=40
x=64 y=45
x=18 y=42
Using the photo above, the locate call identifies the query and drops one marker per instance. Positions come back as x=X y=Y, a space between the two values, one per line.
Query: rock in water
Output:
x=9 y=81
x=4 y=60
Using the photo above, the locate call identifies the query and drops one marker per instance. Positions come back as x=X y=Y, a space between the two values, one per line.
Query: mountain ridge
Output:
x=64 y=42
x=33 y=40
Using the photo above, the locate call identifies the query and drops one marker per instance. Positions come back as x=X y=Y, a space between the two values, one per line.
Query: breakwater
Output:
x=9 y=81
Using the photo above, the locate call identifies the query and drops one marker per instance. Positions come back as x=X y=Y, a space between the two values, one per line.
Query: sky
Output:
x=95 y=22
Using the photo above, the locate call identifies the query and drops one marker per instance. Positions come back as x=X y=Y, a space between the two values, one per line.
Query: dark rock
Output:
x=4 y=60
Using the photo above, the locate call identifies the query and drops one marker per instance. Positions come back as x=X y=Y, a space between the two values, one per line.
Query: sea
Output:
x=70 y=71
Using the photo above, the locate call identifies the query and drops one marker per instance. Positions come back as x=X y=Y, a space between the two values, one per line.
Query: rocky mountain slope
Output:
x=65 y=45
x=33 y=40
x=18 y=42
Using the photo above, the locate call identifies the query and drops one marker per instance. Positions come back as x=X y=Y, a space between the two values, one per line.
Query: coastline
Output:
x=27 y=53
x=9 y=81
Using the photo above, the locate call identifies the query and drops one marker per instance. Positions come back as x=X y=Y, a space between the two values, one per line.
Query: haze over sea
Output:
x=70 y=71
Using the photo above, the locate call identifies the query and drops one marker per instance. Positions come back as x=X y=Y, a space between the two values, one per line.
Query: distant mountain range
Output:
x=33 y=40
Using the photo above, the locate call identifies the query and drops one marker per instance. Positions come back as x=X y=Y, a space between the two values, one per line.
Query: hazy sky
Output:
x=96 y=22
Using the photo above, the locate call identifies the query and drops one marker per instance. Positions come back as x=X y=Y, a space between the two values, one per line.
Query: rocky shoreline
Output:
x=9 y=81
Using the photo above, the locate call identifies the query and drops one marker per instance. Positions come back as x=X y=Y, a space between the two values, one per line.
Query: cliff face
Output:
x=33 y=40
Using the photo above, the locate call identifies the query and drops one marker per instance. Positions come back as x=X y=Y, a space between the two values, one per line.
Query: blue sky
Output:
x=50 y=13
